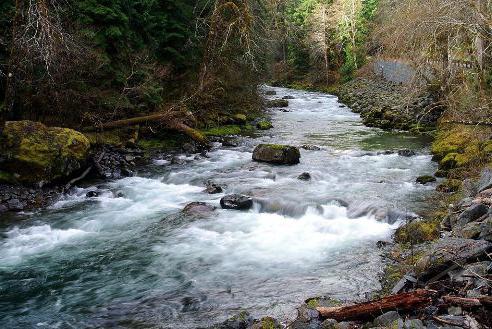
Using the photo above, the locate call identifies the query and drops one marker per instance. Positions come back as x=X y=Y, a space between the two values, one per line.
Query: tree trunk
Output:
x=368 y=310
x=169 y=120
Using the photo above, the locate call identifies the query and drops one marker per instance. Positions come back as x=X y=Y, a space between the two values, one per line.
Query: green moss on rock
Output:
x=223 y=131
x=417 y=232
x=264 y=125
x=39 y=154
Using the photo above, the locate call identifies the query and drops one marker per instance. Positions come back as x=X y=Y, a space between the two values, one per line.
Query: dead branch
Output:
x=401 y=302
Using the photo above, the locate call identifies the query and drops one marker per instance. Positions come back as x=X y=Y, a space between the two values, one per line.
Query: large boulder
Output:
x=236 y=202
x=277 y=154
x=36 y=154
x=449 y=252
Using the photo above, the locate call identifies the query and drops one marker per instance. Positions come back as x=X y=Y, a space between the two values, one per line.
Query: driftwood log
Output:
x=172 y=120
x=368 y=310
x=469 y=302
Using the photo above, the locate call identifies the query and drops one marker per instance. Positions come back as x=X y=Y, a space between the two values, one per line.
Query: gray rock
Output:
x=329 y=324
x=92 y=194
x=212 y=188
x=387 y=319
x=455 y=310
x=201 y=209
x=414 y=324
x=307 y=314
x=406 y=153
x=243 y=320
x=486 y=229
x=15 y=205
x=236 y=202
x=469 y=231
x=304 y=176
x=446 y=253
x=472 y=213
x=276 y=154
x=485 y=181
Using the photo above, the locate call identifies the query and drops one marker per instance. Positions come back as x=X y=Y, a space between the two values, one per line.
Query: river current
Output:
x=132 y=262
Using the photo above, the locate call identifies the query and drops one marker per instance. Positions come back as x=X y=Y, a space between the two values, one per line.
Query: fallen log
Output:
x=170 y=120
x=368 y=310
x=469 y=302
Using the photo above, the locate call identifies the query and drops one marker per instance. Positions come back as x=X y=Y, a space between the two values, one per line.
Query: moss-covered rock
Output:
x=37 y=154
x=425 y=179
x=449 y=186
x=264 y=125
x=223 y=131
x=240 y=119
x=277 y=103
x=277 y=154
x=417 y=232
x=267 y=323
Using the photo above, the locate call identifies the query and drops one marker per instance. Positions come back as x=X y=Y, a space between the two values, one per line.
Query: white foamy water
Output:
x=129 y=256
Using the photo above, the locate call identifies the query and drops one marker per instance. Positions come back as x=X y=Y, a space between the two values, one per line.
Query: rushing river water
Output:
x=131 y=262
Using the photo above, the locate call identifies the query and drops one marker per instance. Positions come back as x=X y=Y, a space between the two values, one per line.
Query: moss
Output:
x=7 y=178
x=240 y=118
x=313 y=303
x=277 y=103
x=418 y=231
x=268 y=323
x=158 y=144
x=105 y=138
x=449 y=186
x=264 y=125
x=425 y=179
x=223 y=131
x=40 y=153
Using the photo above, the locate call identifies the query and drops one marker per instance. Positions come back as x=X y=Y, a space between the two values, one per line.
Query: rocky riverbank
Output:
x=386 y=105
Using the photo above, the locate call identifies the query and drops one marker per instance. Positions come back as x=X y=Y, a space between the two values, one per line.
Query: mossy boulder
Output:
x=239 y=119
x=277 y=103
x=37 y=154
x=264 y=125
x=449 y=186
x=277 y=154
x=425 y=179
x=417 y=231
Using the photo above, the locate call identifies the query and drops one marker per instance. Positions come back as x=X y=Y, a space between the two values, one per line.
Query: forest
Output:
x=90 y=62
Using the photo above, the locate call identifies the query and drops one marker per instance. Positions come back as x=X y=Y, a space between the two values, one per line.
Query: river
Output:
x=131 y=262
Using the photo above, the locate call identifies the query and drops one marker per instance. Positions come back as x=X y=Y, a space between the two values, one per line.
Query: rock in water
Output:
x=264 y=125
x=425 y=179
x=406 y=153
x=277 y=103
x=277 y=154
x=201 y=209
x=212 y=188
x=38 y=154
x=304 y=176
x=236 y=202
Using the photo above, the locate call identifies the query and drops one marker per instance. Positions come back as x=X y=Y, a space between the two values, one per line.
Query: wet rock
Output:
x=270 y=92
x=112 y=163
x=200 y=209
x=38 y=154
x=413 y=324
x=212 y=188
x=189 y=148
x=243 y=320
x=276 y=154
x=266 y=323
x=307 y=314
x=236 y=202
x=387 y=319
x=406 y=153
x=92 y=194
x=310 y=147
x=304 y=176
x=239 y=119
x=15 y=205
x=446 y=253
x=288 y=97
x=178 y=161
x=441 y=173
x=264 y=125
x=485 y=180
x=277 y=103
x=472 y=213
x=425 y=179
x=119 y=194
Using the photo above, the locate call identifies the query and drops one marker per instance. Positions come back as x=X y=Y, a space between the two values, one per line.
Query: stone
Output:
x=310 y=147
x=276 y=154
x=469 y=231
x=236 y=202
x=485 y=193
x=446 y=253
x=239 y=119
x=200 y=209
x=449 y=186
x=266 y=323
x=15 y=205
x=472 y=213
x=414 y=324
x=277 y=103
x=386 y=319
x=307 y=314
x=243 y=320
x=264 y=125
x=288 y=97
x=455 y=310
x=485 y=181
x=270 y=92
x=212 y=188
x=304 y=176
x=329 y=324
x=406 y=153
x=37 y=154
x=92 y=194
x=425 y=179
